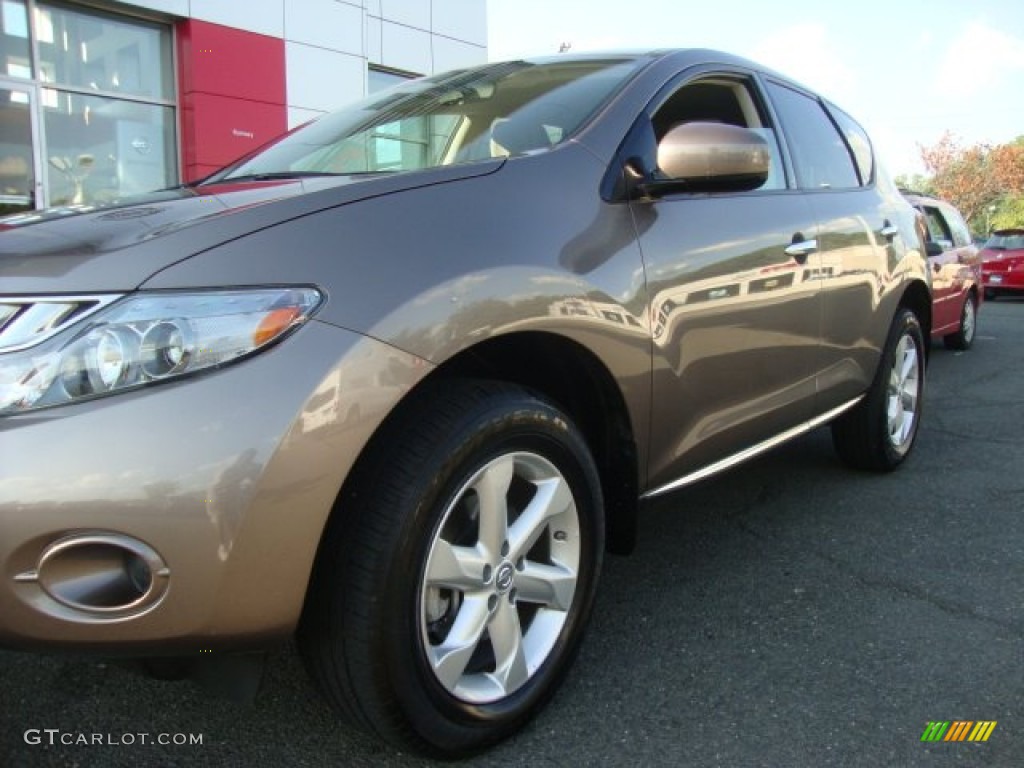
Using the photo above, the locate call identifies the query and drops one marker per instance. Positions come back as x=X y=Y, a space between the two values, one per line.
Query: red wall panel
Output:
x=224 y=128
x=232 y=93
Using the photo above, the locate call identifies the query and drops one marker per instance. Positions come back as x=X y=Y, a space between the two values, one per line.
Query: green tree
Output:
x=1009 y=213
x=985 y=182
x=1008 y=167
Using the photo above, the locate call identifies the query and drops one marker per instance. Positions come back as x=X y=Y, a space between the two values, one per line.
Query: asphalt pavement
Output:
x=790 y=613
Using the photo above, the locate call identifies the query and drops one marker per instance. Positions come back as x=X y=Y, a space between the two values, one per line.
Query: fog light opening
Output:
x=101 y=573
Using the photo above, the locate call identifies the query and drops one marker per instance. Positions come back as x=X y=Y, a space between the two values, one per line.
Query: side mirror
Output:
x=707 y=157
x=931 y=248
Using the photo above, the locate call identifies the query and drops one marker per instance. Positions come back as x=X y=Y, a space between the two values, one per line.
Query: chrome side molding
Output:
x=738 y=458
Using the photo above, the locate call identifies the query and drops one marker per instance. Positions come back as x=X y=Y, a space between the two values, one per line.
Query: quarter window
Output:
x=820 y=154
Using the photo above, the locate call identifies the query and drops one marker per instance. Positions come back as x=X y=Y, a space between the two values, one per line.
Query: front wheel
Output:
x=453 y=587
x=964 y=336
x=879 y=432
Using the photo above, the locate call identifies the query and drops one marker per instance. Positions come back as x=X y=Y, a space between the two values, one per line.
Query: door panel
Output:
x=858 y=261
x=735 y=323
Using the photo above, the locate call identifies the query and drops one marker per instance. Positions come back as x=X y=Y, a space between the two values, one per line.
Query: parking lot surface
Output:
x=789 y=613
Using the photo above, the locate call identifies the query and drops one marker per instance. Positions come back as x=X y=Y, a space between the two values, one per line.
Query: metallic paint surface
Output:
x=715 y=337
x=228 y=476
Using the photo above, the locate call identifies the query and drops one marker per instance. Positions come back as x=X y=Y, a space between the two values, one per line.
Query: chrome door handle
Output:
x=889 y=231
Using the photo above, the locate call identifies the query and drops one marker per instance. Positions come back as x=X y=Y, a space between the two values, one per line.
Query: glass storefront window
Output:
x=15 y=59
x=87 y=105
x=99 y=149
x=103 y=53
x=17 y=180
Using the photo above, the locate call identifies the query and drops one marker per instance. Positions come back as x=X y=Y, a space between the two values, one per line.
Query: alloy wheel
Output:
x=967 y=321
x=903 y=391
x=500 y=577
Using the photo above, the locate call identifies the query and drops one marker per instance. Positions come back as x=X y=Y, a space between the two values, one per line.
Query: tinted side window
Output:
x=819 y=152
x=859 y=143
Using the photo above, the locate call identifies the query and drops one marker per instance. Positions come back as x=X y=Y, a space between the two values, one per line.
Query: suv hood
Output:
x=83 y=249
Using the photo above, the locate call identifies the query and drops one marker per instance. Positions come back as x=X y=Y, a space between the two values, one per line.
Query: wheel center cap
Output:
x=504 y=577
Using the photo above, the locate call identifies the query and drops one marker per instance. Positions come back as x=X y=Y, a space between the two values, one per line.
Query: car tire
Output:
x=964 y=336
x=458 y=572
x=879 y=432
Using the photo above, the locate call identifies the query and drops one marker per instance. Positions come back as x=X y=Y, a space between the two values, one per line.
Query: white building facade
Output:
x=103 y=99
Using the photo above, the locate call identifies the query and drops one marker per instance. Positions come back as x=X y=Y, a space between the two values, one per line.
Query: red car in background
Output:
x=1002 y=263
x=954 y=263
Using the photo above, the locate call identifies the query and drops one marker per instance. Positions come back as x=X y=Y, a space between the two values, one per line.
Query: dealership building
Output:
x=103 y=99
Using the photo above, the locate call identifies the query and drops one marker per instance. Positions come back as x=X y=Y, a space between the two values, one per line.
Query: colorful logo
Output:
x=958 y=730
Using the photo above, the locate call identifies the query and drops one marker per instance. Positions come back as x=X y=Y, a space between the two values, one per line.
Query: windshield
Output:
x=459 y=117
x=1011 y=240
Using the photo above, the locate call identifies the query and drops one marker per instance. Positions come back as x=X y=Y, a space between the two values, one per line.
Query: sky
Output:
x=907 y=70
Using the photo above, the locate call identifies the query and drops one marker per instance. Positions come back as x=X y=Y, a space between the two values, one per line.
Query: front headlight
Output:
x=147 y=338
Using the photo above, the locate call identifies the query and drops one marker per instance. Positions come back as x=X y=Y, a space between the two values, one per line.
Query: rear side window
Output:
x=859 y=143
x=820 y=154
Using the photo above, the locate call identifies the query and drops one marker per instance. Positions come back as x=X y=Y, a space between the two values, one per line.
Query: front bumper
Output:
x=208 y=494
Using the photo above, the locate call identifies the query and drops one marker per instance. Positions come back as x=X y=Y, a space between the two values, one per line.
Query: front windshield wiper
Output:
x=274 y=176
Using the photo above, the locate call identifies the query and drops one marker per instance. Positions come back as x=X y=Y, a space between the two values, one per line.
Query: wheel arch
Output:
x=918 y=300
x=975 y=291
x=577 y=381
x=556 y=367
